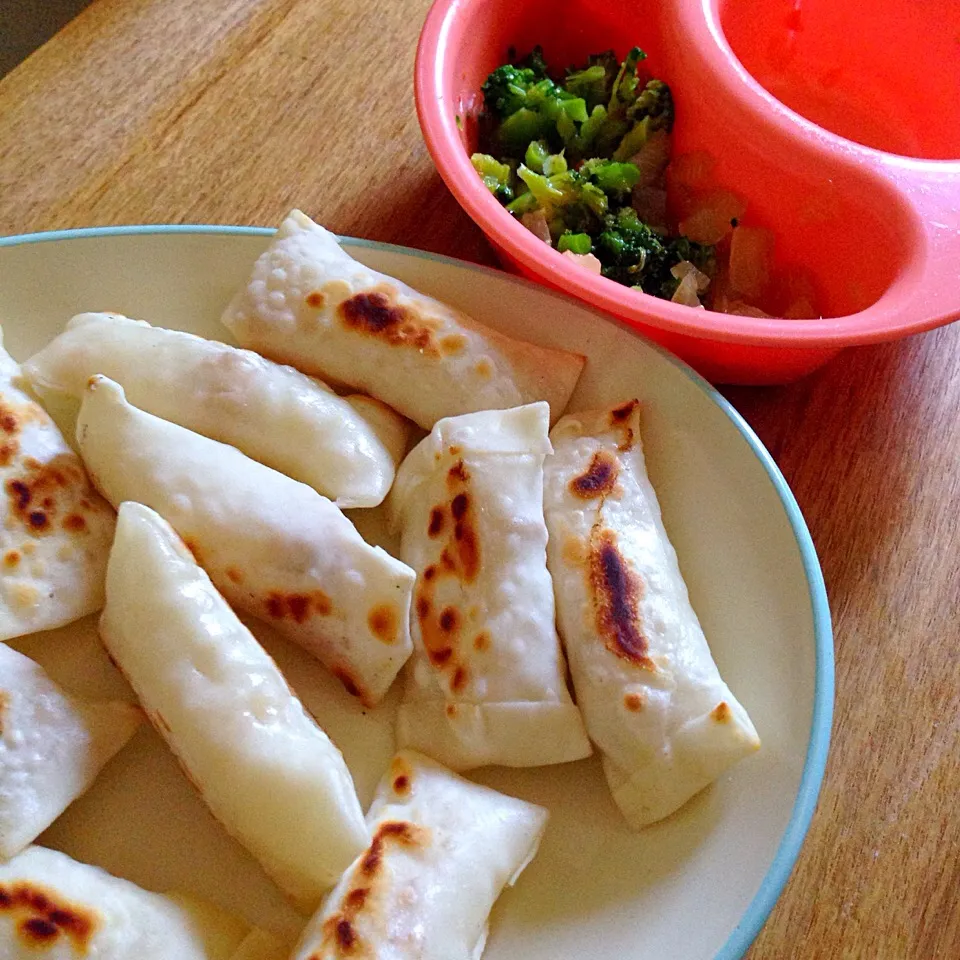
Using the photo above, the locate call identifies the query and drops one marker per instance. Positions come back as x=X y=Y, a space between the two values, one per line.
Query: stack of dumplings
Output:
x=212 y=479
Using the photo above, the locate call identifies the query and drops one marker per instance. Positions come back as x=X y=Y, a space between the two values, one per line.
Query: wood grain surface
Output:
x=232 y=111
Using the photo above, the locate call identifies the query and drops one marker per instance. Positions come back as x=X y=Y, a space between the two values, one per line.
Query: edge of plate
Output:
x=818 y=747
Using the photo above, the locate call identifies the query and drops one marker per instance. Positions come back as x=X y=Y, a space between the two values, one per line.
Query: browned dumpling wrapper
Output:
x=310 y=304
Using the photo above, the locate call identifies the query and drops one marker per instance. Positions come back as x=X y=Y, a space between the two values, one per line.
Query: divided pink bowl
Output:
x=839 y=124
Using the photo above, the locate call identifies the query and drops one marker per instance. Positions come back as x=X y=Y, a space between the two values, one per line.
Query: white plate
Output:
x=696 y=886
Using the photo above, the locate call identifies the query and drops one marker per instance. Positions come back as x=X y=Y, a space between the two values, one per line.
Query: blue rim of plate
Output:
x=815 y=763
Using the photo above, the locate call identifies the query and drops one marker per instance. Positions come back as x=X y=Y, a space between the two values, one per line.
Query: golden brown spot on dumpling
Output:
x=633 y=702
x=8 y=450
x=484 y=368
x=452 y=343
x=4 y=703
x=435 y=526
x=457 y=475
x=459 y=680
x=355 y=899
x=468 y=550
x=234 y=575
x=193 y=547
x=616 y=591
x=384 y=622
x=599 y=479
x=440 y=656
x=398 y=832
x=619 y=418
x=423 y=607
x=401 y=785
x=11 y=558
x=43 y=917
x=298 y=607
x=449 y=620
x=721 y=712
x=9 y=422
x=574 y=550
x=430 y=573
x=451 y=710
x=74 y=523
x=35 y=496
x=375 y=314
x=481 y=642
x=316 y=300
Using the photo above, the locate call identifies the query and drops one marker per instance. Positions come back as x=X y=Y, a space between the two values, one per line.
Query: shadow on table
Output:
x=25 y=25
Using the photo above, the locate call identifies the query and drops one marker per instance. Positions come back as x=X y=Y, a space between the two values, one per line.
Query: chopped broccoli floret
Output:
x=537 y=152
x=592 y=84
x=614 y=179
x=496 y=176
x=656 y=102
x=505 y=89
x=575 y=242
x=576 y=139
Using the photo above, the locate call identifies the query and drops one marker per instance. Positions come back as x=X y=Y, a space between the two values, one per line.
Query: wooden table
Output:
x=232 y=111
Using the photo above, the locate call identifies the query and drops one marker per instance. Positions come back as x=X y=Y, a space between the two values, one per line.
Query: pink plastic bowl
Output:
x=868 y=200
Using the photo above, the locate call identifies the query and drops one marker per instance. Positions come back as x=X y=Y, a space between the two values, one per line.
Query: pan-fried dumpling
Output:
x=52 y=746
x=54 y=907
x=310 y=304
x=486 y=683
x=274 y=547
x=56 y=531
x=274 y=414
x=443 y=849
x=266 y=770
x=650 y=692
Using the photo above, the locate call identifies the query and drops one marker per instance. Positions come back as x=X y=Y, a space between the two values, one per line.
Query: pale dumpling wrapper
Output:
x=56 y=529
x=267 y=771
x=487 y=682
x=345 y=449
x=56 y=908
x=651 y=694
x=310 y=304
x=52 y=747
x=275 y=548
x=443 y=849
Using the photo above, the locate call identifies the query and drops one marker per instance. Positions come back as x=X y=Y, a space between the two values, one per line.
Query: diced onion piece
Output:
x=796 y=293
x=652 y=159
x=712 y=217
x=536 y=223
x=586 y=260
x=693 y=169
x=742 y=309
x=685 y=268
x=686 y=292
x=751 y=253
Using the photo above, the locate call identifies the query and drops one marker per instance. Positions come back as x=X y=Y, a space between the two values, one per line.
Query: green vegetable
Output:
x=611 y=177
x=564 y=147
x=543 y=190
x=537 y=152
x=496 y=176
x=504 y=91
x=577 y=242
